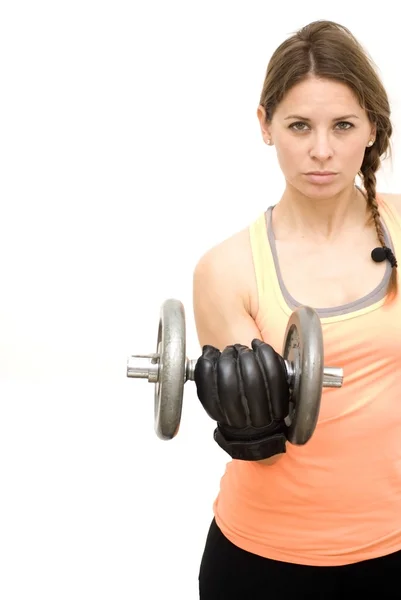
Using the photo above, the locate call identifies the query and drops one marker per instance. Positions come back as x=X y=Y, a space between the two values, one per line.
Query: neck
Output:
x=322 y=219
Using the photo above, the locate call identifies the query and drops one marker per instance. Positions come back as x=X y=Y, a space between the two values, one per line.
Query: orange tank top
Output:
x=337 y=499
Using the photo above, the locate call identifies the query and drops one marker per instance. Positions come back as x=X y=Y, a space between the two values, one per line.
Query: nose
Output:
x=321 y=147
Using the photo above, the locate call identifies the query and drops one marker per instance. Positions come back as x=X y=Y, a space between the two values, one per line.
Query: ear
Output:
x=264 y=125
x=373 y=132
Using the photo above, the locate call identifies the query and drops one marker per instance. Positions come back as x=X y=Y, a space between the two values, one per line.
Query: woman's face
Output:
x=320 y=133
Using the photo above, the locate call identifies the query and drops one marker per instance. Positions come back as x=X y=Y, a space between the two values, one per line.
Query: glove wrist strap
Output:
x=252 y=450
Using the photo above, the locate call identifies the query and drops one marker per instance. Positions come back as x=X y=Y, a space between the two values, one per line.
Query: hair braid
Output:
x=370 y=165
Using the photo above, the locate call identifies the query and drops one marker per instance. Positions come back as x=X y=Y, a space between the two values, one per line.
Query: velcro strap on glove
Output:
x=259 y=449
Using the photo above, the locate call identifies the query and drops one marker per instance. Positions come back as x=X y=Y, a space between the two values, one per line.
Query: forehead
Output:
x=314 y=97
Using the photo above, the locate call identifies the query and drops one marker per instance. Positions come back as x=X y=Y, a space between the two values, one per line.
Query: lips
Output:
x=321 y=173
x=320 y=176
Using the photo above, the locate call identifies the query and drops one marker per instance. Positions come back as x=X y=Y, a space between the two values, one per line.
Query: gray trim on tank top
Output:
x=374 y=296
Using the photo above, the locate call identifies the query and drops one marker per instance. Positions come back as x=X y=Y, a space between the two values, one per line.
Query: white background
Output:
x=129 y=145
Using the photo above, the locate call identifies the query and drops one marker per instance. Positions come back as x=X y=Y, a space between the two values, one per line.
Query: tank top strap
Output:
x=265 y=270
x=273 y=310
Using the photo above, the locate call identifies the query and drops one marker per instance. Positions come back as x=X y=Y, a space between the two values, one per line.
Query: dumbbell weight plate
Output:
x=169 y=386
x=303 y=349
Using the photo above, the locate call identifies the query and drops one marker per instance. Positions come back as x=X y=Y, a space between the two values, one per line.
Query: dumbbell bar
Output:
x=169 y=368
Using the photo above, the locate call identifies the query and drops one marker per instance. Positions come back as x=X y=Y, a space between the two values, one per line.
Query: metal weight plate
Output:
x=303 y=349
x=169 y=387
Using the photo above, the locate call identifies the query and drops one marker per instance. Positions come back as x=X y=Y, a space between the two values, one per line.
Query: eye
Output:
x=298 y=126
x=345 y=125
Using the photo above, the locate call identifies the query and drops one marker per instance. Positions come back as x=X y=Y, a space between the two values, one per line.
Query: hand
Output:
x=247 y=393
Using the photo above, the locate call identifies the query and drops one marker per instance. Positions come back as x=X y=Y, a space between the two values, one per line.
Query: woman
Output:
x=324 y=518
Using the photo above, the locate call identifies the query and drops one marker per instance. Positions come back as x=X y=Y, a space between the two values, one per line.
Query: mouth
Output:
x=321 y=173
x=320 y=176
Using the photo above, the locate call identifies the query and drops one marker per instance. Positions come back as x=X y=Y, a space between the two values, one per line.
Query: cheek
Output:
x=353 y=155
x=290 y=156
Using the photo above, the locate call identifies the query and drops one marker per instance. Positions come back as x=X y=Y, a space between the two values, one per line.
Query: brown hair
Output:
x=328 y=50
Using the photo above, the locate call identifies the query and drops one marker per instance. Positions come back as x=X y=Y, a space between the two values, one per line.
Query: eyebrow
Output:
x=306 y=118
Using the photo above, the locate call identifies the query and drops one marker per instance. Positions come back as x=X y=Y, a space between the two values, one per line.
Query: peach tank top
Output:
x=337 y=499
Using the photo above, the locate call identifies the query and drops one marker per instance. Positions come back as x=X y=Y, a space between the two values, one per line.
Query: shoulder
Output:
x=225 y=299
x=228 y=265
x=393 y=199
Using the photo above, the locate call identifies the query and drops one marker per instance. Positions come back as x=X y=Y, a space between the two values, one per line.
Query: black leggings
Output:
x=229 y=573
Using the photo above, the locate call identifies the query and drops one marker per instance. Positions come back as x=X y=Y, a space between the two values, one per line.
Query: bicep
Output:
x=221 y=316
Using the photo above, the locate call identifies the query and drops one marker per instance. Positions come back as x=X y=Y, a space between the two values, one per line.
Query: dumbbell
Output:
x=169 y=369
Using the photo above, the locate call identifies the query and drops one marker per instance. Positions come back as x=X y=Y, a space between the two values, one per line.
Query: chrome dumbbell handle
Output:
x=147 y=366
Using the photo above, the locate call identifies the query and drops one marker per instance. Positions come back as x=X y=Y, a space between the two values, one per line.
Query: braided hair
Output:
x=369 y=167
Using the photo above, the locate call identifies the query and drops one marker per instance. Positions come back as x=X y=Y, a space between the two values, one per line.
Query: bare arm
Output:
x=221 y=309
x=223 y=288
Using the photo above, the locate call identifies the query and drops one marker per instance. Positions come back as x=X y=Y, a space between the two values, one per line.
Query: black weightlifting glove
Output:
x=246 y=392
